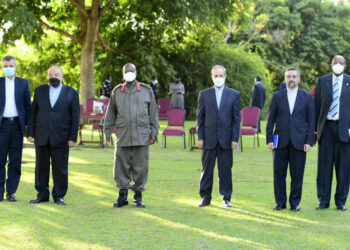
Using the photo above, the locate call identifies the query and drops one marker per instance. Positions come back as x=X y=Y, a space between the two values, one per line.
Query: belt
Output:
x=335 y=121
x=11 y=118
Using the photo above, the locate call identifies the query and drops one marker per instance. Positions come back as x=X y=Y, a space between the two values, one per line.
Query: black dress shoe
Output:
x=226 y=203
x=120 y=203
x=341 y=208
x=139 y=203
x=279 y=207
x=11 y=197
x=295 y=209
x=59 y=201
x=322 y=206
x=204 y=203
x=38 y=200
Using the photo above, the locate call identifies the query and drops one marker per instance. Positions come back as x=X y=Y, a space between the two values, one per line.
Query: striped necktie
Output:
x=333 y=110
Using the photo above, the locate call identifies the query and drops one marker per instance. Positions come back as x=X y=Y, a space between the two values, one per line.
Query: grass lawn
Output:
x=171 y=218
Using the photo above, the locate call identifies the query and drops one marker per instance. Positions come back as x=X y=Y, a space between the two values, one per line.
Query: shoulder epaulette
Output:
x=145 y=85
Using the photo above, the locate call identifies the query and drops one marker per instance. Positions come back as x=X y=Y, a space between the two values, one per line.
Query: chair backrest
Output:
x=250 y=116
x=89 y=105
x=164 y=105
x=105 y=102
x=176 y=117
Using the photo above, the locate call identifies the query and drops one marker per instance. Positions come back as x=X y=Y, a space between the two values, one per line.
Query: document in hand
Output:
x=275 y=141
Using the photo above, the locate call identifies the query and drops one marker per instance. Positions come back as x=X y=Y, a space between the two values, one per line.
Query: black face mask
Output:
x=54 y=82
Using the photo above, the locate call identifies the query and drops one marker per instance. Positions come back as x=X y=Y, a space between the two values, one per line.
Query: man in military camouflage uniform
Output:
x=132 y=110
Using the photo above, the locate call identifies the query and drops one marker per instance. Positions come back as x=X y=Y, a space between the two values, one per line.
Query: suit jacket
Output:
x=258 y=95
x=298 y=126
x=323 y=100
x=58 y=125
x=218 y=126
x=22 y=99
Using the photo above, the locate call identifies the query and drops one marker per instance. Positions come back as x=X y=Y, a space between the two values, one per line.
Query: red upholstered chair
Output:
x=249 y=123
x=105 y=102
x=164 y=105
x=176 y=118
x=89 y=105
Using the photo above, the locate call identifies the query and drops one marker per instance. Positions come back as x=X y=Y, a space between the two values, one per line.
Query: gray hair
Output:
x=216 y=67
x=9 y=58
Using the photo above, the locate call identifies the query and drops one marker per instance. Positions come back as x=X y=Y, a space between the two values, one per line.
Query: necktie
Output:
x=333 y=110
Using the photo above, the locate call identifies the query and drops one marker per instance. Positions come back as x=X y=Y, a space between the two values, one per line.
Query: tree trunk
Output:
x=87 y=74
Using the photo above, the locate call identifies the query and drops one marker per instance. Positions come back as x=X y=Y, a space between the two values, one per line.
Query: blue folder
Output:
x=275 y=141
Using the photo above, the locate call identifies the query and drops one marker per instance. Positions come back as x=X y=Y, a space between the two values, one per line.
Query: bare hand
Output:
x=234 y=144
x=270 y=145
x=200 y=144
x=30 y=139
x=307 y=147
x=108 y=142
x=71 y=143
x=152 y=141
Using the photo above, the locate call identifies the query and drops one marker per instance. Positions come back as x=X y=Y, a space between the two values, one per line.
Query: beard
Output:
x=291 y=84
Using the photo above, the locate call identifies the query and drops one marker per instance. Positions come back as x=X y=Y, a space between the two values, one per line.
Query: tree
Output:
x=126 y=29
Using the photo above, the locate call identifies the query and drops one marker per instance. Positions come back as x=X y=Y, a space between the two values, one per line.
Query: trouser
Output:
x=332 y=151
x=59 y=160
x=225 y=162
x=296 y=159
x=11 y=145
x=131 y=164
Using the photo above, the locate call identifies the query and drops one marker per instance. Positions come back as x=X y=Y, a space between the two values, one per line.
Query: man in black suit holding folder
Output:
x=292 y=113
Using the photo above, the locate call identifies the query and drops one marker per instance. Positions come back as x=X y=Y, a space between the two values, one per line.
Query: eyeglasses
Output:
x=291 y=76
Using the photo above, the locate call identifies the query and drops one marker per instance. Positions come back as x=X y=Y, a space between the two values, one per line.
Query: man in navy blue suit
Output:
x=53 y=125
x=292 y=114
x=218 y=132
x=258 y=96
x=332 y=102
x=15 y=107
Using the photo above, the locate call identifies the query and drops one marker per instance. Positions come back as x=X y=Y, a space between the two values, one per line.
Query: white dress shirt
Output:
x=340 y=84
x=218 y=94
x=10 y=101
x=292 y=96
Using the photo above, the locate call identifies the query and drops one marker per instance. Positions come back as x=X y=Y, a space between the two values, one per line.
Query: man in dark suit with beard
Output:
x=292 y=113
x=53 y=125
x=218 y=132
x=332 y=102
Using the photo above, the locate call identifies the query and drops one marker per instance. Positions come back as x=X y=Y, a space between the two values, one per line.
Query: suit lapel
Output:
x=17 y=88
x=297 y=100
x=223 y=97
x=2 y=94
x=214 y=98
x=285 y=99
x=345 y=85
x=61 y=95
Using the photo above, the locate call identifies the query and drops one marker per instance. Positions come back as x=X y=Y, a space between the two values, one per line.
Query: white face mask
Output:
x=338 y=68
x=130 y=76
x=155 y=81
x=219 y=82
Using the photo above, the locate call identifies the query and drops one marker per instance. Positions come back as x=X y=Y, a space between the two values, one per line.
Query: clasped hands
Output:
x=200 y=144
x=70 y=143
x=307 y=147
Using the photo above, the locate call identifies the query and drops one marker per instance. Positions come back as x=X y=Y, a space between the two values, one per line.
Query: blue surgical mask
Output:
x=9 y=71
